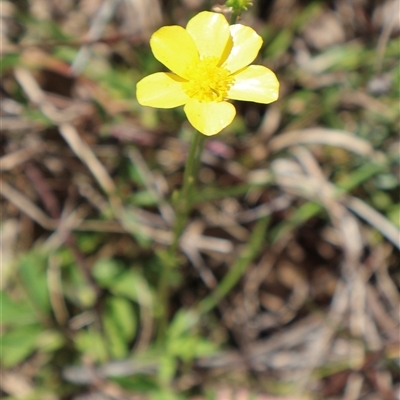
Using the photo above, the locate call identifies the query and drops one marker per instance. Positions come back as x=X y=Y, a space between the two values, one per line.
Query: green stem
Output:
x=234 y=17
x=184 y=202
x=182 y=208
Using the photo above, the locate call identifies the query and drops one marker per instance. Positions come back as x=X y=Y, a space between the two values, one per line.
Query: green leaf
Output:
x=381 y=200
x=116 y=345
x=165 y=394
x=136 y=383
x=189 y=347
x=16 y=313
x=77 y=288
x=394 y=214
x=168 y=365
x=123 y=314
x=119 y=325
x=65 y=53
x=50 y=340
x=92 y=343
x=32 y=269
x=182 y=342
x=143 y=198
x=357 y=177
x=132 y=286
x=183 y=321
x=106 y=270
x=8 y=61
x=240 y=266
x=19 y=343
x=88 y=243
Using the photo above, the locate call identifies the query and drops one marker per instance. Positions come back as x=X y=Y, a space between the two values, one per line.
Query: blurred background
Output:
x=295 y=222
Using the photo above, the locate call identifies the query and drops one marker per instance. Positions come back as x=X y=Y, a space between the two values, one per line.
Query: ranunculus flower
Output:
x=209 y=61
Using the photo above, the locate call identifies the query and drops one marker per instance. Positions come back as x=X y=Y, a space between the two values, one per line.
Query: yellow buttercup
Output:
x=209 y=61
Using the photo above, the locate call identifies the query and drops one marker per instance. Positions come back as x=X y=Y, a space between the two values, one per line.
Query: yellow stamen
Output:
x=207 y=82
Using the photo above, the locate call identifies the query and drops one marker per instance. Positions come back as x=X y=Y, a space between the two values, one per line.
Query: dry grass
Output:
x=291 y=255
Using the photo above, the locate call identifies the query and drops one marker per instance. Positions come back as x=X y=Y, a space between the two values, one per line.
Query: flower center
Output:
x=207 y=82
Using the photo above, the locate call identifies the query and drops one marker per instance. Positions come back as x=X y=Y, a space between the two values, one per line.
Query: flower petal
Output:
x=175 y=48
x=211 y=33
x=246 y=45
x=255 y=83
x=161 y=90
x=209 y=118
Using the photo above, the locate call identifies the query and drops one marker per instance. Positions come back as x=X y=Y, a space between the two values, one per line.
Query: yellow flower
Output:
x=209 y=63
